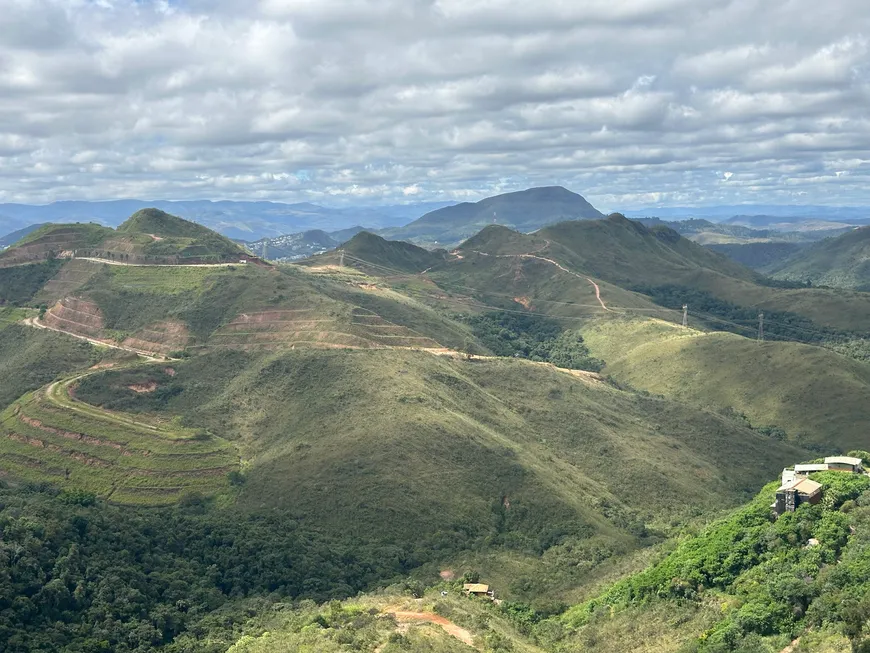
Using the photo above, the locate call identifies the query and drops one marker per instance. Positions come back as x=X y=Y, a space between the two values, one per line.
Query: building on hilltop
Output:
x=845 y=464
x=799 y=491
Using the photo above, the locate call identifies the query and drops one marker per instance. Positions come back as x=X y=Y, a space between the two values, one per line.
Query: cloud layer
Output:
x=631 y=103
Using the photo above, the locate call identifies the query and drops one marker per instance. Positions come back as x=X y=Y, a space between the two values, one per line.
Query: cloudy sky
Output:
x=629 y=102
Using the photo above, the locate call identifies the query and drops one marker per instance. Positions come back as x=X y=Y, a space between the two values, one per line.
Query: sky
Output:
x=632 y=103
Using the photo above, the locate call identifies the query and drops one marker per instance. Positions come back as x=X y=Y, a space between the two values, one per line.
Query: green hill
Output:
x=149 y=236
x=526 y=210
x=313 y=431
x=813 y=394
x=843 y=261
x=383 y=256
x=624 y=252
x=418 y=448
x=160 y=223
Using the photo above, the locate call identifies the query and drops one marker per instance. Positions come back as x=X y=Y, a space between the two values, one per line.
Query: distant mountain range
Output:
x=755 y=215
x=239 y=220
x=438 y=224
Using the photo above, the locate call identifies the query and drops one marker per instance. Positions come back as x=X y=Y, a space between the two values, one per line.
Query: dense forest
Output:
x=534 y=337
x=81 y=576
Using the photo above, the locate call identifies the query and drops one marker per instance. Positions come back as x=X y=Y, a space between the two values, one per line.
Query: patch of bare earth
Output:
x=445 y=624
x=143 y=388
x=161 y=337
x=77 y=316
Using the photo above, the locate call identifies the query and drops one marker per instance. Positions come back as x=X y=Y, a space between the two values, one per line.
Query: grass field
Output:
x=815 y=395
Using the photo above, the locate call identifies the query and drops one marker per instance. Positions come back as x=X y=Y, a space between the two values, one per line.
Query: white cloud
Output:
x=359 y=100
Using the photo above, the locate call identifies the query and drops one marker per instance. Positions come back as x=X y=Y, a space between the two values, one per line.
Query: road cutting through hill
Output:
x=559 y=266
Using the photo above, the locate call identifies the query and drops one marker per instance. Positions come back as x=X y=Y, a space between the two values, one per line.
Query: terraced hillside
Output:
x=50 y=435
x=162 y=310
x=54 y=240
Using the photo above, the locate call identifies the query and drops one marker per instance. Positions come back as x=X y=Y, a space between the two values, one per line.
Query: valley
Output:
x=526 y=409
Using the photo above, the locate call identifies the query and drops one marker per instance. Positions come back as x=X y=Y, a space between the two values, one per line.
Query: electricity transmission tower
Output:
x=341 y=258
x=761 y=326
x=685 y=315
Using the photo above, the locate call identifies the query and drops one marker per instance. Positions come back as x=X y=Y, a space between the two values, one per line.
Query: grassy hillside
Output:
x=814 y=395
x=30 y=358
x=840 y=261
x=389 y=428
x=631 y=256
x=18 y=234
x=166 y=309
x=19 y=284
x=526 y=210
x=622 y=251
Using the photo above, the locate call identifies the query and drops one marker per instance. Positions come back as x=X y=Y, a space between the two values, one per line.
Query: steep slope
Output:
x=622 y=251
x=843 y=261
x=30 y=358
x=526 y=210
x=165 y=309
x=749 y=582
x=813 y=394
x=53 y=240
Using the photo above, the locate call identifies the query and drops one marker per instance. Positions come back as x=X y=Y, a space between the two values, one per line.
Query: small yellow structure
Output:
x=477 y=589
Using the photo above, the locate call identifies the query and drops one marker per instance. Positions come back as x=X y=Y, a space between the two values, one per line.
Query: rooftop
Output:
x=806 y=486
x=811 y=467
x=476 y=588
x=843 y=460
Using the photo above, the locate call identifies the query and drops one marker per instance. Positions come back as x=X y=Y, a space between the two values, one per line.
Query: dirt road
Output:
x=34 y=322
x=155 y=265
x=446 y=625
x=560 y=267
